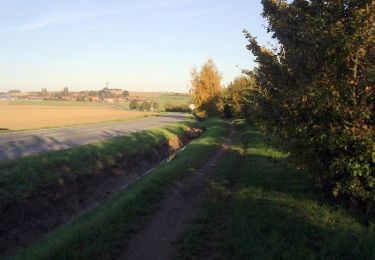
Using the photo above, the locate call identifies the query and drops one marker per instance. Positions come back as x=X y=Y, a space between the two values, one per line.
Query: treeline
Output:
x=313 y=95
x=146 y=105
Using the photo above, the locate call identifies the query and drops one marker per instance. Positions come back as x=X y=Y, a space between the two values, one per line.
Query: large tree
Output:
x=316 y=90
x=206 y=84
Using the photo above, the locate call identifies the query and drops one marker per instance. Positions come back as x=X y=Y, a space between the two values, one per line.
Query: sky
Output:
x=139 y=45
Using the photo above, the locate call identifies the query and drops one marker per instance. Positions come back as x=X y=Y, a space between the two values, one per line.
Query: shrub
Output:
x=200 y=115
x=134 y=105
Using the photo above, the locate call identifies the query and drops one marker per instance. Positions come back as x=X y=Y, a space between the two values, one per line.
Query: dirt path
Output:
x=156 y=239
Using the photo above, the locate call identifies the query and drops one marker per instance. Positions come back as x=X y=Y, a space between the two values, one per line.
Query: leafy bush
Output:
x=200 y=115
x=134 y=105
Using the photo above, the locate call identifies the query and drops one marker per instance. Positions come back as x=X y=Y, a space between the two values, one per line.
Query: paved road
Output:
x=19 y=144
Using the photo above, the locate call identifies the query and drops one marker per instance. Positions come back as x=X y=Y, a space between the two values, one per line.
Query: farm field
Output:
x=163 y=98
x=35 y=115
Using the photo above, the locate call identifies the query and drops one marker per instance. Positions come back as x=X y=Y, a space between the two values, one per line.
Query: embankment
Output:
x=40 y=193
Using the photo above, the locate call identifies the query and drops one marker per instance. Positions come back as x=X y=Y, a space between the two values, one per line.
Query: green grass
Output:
x=97 y=234
x=21 y=177
x=258 y=208
x=173 y=99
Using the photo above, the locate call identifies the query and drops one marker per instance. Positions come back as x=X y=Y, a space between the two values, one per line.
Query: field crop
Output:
x=23 y=116
x=163 y=98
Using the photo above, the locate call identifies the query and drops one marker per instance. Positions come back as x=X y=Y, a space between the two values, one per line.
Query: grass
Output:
x=97 y=234
x=24 y=176
x=163 y=98
x=258 y=208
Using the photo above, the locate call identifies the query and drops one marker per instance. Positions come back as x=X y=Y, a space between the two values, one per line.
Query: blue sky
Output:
x=136 y=45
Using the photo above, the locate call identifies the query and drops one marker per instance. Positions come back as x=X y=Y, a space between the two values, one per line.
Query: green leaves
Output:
x=314 y=94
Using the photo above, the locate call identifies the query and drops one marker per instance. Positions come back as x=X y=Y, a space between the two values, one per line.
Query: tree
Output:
x=154 y=105
x=134 y=105
x=65 y=92
x=44 y=92
x=106 y=93
x=207 y=88
x=13 y=91
x=145 y=105
x=235 y=96
x=315 y=93
x=92 y=93
x=125 y=93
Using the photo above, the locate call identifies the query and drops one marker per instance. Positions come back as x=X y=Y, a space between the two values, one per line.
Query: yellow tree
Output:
x=206 y=85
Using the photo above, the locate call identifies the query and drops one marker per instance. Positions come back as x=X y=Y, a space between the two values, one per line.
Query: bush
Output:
x=134 y=105
x=228 y=110
x=200 y=115
x=145 y=106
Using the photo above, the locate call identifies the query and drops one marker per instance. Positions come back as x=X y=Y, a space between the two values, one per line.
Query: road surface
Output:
x=19 y=144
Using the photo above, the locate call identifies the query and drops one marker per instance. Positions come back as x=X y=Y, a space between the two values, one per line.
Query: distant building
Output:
x=109 y=100
x=116 y=91
x=35 y=98
x=94 y=99
x=4 y=97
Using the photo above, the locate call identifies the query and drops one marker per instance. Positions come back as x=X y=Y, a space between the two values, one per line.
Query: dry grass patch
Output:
x=23 y=117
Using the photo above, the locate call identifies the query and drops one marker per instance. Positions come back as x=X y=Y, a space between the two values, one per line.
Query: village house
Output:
x=116 y=91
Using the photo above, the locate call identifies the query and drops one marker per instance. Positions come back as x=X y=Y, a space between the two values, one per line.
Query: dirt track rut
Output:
x=157 y=237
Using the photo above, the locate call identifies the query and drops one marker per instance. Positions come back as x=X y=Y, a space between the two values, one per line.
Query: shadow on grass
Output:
x=279 y=215
x=259 y=208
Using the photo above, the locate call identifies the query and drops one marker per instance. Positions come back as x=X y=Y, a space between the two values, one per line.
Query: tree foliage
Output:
x=145 y=105
x=315 y=92
x=125 y=93
x=13 y=91
x=206 y=84
x=44 y=92
x=65 y=92
x=236 y=96
x=134 y=105
x=106 y=93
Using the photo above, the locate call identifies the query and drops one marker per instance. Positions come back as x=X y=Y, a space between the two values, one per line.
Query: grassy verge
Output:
x=260 y=209
x=21 y=177
x=97 y=234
